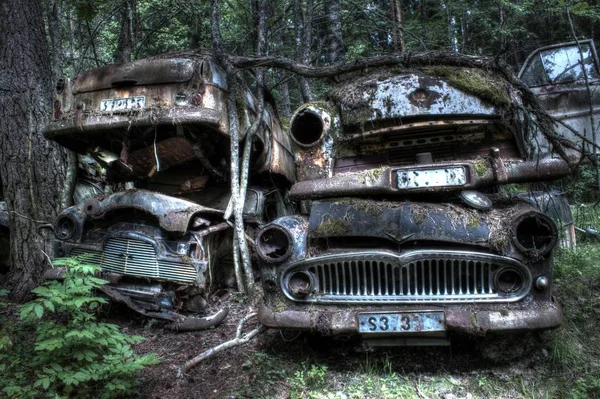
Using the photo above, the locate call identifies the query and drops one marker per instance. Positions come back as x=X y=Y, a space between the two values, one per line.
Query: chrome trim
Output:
x=421 y=276
x=135 y=257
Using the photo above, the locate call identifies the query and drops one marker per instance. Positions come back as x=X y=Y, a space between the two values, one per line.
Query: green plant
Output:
x=70 y=353
x=308 y=379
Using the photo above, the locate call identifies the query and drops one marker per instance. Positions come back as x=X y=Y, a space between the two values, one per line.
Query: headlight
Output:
x=308 y=126
x=534 y=233
x=274 y=244
x=65 y=227
x=300 y=284
x=509 y=280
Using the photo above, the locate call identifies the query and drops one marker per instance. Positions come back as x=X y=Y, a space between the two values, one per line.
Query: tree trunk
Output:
x=32 y=168
x=303 y=26
x=54 y=31
x=285 y=106
x=125 y=46
x=333 y=11
x=399 y=26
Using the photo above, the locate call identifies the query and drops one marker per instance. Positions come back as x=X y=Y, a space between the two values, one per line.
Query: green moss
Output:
x=473 y=81
x=474 y=320
x=481 y=167
x=473 y=221
x=515 y=188
x=419 y=215
x=371 y=175
x=332 y=228
x=367 y=207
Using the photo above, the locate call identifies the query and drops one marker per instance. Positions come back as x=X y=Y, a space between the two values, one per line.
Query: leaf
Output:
x=39 y=310
x=49 y=305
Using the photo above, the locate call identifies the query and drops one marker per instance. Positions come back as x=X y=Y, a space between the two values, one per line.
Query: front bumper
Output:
x=476 y=320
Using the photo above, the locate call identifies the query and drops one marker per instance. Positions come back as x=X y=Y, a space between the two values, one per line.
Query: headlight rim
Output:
x=260 y=250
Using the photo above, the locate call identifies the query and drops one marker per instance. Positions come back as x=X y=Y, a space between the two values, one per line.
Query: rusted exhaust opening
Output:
x=534 y=234
x=274 y=244
x=307 y=128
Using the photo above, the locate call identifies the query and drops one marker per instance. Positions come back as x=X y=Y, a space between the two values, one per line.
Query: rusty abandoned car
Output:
x=555 y=75
x=405 y=232
x=159 y=129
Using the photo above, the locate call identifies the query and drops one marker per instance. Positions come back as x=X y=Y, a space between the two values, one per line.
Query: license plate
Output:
x=122 y=104
x=409 y=322
x=438 y=177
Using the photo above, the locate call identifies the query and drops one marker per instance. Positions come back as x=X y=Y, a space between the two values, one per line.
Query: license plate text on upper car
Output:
x=122 y=104
x=407 y=322
x=435 y=177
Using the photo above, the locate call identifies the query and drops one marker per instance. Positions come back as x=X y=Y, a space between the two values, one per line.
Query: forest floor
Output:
x=561 y=363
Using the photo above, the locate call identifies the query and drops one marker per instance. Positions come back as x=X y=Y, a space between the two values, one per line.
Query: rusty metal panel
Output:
x=168 y=152
x=139 y=72
x=389 y=95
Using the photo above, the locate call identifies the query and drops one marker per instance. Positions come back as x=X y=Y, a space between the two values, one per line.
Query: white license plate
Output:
x=395 y=323
x=438 y=177
x=122 y=104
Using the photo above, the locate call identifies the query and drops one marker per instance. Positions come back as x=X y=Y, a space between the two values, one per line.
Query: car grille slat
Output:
x=138 y=258
x=421 y=276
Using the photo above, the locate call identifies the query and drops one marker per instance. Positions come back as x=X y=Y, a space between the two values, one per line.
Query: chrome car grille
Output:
x=138 y=258
x=416 y=277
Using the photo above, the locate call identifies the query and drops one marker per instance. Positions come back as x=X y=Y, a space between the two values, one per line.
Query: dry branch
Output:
x=239 y=339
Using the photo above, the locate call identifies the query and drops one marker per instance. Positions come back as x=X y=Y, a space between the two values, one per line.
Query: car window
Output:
x=535 y=75
x=562 y=65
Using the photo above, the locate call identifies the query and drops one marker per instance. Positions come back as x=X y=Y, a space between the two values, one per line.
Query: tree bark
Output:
x=54 y=31
x=285 y=106
x=399 y=26
x=32 y=169
x=303 y=26
x=333 y=12
x=125 y=46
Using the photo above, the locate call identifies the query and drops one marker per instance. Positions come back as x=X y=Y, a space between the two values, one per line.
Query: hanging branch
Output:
x=239 y=237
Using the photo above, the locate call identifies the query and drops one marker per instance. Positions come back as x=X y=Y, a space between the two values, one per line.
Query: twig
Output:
x=239 y=339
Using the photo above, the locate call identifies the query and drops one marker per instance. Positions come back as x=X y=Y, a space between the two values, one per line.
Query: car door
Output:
x=555 y=75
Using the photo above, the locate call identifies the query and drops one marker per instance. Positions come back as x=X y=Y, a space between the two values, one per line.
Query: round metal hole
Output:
x=509 y=280
x=91 y=206
x=534 y=233
x=307 y=127
x=64 y=228
x=300 y=284
x=273 y=244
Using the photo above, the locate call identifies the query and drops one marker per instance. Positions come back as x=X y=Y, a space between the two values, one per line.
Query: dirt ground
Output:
x=290 y=365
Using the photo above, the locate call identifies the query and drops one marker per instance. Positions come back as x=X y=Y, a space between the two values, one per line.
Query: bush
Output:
x=59 y=349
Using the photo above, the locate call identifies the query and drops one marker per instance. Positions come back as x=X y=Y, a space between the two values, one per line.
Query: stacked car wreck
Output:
x=158 y=127
x=404 y=233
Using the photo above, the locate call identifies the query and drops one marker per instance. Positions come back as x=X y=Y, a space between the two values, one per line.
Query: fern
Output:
x=72 y=354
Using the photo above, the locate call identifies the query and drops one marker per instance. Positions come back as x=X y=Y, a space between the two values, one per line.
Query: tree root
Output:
x=238 y=340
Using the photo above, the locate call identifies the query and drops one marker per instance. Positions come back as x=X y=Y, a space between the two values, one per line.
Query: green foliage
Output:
x=67 y=352
x=575 y=346
x=308 y=379
x=583 y=188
